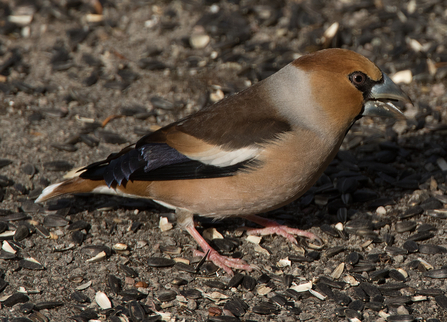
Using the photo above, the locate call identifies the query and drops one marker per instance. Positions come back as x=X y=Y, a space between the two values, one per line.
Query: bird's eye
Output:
x=358 y=78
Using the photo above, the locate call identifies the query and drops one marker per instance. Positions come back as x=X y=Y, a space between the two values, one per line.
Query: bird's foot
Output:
x=272 y=227
x=224 y=262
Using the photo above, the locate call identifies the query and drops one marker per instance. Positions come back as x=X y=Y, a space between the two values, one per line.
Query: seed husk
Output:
x=356 y=305
x=129 y=271
x=336 y=274
x=30 y=263
x=57 y=166
x=78 y=237
x=353 y=258
x=331 y=231
x=400 y=318
x=392 y=250
x=411 y=246
x=114 y=283
x=43 y=231
x=380 y=274
x=191 y=294
x=137 y=312
x=436 y=273
x=404 y=226
x=78 y=225
x=15 y=299
x=293 y=294
x=132 y=294
x=26 y=308
x=160 y=262
x=370 y=289
x=388 y=239
x=441 y=300
x=236 y=306
x=279 y=299
x=430 y=291
x=331 y=252
x=166 y=296
x=375 y=306
x=236 y=280
x=185 y=267
x=411 y=212
x=431 y=249
x=79 y=297
x=421 y=235
x=216 y=284
x=54 y=221
x=341 y=298
x=48 y=305
x=397 y=276
x=249 y=283
x=397 y=300
x=265 y=308
x=102 y=300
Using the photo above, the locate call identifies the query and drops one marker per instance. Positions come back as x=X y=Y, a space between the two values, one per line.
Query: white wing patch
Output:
x=222 y=158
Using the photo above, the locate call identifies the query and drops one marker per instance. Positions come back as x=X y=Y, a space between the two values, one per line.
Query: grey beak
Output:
x=379 y=103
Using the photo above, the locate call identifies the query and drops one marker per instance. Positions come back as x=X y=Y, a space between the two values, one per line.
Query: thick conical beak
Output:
x=378 y=104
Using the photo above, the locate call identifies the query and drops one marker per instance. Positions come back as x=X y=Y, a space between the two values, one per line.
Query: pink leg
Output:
x=272 y=227
x=226 y=263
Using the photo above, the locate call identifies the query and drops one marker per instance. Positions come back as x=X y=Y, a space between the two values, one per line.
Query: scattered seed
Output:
x=79 y=297
x=400 y=318
x=30 y=263
x=48 y=305
x=129 y=271
x=236 y=306
x=405 y=226
x=265 y=308
x=338 y=271
x=102 y=300
x=78 y=225
x=331 y=252
x=57 y=166
x=430 y=292
x=317 y=295
x=431 y=249
x=411 y=246
x=421 y=235
x=216 y=284
x=93 y=250
x=114 y=283
x=436 y=273
x=191 y=294
x=397 y=276
x=15 y=299
x=302 y=287
x=160 y=262
x=395 y=250
x=236 y=280
x=185 y=267
x=21 y=233
x=54 y=221
x=166 y=296
x=26 y=308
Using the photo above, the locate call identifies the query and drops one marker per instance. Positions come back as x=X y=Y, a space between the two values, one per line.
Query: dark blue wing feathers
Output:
x=155 y=161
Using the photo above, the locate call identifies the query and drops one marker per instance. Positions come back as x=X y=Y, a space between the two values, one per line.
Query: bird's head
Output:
x=347 y=86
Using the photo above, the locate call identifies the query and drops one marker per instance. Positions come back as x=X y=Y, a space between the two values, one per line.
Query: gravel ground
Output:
x=68 y=67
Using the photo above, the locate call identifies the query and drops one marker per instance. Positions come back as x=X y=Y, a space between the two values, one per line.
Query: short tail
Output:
x=74 y=185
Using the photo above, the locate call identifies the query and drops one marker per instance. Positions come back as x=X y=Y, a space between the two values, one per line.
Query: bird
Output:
x=251 y=152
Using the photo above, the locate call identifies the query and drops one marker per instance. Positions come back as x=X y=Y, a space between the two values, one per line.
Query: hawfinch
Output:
x=251 y=152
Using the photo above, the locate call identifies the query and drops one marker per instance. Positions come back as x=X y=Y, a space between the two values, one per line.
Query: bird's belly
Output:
x=285 y=174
